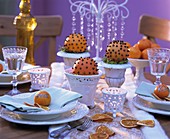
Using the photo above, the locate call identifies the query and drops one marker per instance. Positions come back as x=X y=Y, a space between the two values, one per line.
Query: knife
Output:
x=68 y=126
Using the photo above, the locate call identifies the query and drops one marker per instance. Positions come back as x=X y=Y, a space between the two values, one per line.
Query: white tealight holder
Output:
x=39 y=78
x=114 y=99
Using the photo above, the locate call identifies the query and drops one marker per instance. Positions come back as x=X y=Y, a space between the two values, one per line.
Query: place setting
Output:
x=154 y=97
x=23 y=77
x=28 y=108
x=61 y=107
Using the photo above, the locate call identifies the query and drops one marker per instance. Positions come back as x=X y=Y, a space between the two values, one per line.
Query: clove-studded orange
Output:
x=85 y=66
x=75 y=43
x=117 y=51
x=162 y=91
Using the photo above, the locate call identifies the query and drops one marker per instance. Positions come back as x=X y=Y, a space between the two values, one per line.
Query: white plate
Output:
x=148 y=106
x=46 y=115
x=80 y=109
x=5 y=79
x=9 y=83
x=42 y=115
x=154 y=100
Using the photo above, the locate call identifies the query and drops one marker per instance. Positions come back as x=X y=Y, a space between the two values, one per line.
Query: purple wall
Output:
x=157 y=8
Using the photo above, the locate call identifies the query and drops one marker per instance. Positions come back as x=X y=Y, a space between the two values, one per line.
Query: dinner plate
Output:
x=148 y=106
x=46 y=115
x=5 y=79
x=42 y=115
x=154 y=100
x=160 y=104
x=79 y=112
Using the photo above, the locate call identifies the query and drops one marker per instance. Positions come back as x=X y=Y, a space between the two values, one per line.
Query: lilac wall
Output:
x=157 y=8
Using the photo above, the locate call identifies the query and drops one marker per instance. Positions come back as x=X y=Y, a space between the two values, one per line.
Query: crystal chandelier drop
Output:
x=96 y=13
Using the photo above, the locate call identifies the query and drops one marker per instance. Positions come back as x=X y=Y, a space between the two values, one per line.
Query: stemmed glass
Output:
x=14 y=57
x=158 y=60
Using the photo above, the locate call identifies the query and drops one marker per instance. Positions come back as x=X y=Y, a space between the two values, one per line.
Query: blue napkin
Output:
x=145 y=89
x=17 y=104
x=59 y=98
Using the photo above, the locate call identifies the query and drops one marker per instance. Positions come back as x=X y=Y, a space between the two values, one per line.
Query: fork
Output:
x=86 y=124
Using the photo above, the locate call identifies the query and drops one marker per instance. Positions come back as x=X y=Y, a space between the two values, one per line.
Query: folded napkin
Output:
x=59 y=98
x=57 y=74
x=16 y=104
x=145 y=89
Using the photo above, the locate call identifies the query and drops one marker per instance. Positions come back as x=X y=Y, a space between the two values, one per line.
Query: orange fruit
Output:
x=144 y=54
x=155 y=45
x=134 y=52
x=1 y=67
x=42 y=98
x=85 y=66
x=75 y=43
x=105 y=130
x=128 y=44
x=144 y=44
x=161 y=91
x=136 y=45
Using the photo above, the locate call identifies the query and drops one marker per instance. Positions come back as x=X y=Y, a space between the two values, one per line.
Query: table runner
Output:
x=58 y=78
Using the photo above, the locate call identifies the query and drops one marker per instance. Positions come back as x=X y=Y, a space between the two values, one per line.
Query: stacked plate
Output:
x=5 y=78
x=56 y=115
x=152 y=105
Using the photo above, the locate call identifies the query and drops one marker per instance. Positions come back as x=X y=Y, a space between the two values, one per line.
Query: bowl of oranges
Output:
x=138 y=57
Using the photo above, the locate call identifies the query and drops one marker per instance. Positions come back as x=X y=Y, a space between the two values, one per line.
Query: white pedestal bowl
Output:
x=70 y=58
x=115 y=73
x=139 y=64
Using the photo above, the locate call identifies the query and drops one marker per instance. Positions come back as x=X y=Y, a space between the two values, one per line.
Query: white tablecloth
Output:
x=58 y=78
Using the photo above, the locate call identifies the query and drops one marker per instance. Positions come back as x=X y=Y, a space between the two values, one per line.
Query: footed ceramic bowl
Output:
x=115 y=73
x=70 y=58
x=83 y=84
x=139 y=64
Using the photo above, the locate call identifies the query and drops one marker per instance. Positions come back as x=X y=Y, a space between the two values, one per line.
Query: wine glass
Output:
x=158 y=60
x=14 y=57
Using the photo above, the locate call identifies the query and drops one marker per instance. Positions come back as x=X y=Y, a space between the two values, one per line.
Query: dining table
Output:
x=9 y=130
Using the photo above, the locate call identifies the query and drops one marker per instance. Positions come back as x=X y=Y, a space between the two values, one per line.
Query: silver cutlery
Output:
x=81 y=124
x=83 y=127
x=87 y=123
